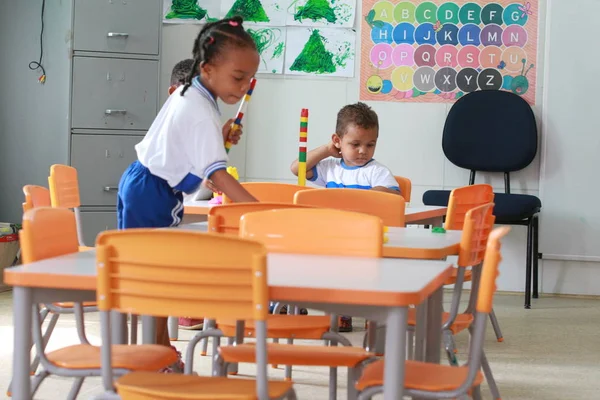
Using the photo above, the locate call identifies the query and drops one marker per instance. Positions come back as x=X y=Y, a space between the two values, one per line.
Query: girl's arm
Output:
x=314 y=156
x=232 y=188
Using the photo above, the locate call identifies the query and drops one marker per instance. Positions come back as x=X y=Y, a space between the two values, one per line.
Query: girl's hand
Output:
x=232 y=134
x=210 y=185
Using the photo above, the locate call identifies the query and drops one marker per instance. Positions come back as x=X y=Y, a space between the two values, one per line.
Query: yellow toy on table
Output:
x=218 y=196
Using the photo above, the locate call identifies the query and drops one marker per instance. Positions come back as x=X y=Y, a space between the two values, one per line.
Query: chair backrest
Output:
x=48 y=232
x=478 y=223
x=490 y=130
x=315 y=231
x=64 y=186
x=272 y=192
x=153 y=272
x=35 y=196
x=226 y=218
x=462 y=200
x=389 y=207
x=405 y=186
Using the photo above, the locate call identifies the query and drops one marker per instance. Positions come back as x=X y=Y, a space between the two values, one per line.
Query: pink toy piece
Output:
x=216 y=200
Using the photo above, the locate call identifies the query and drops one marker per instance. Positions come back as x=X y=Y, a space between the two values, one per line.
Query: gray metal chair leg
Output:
x=450 y=347
x=75 y=388
x=496 y=326
x=173 y=327
x=489 y=377
x=332 y=383
x=477 y=393
x=37 y=381
x=288 y=368
x=46 y=339
x=352 y=376
x=410 y=345
x=208 y=323
x=133 y=334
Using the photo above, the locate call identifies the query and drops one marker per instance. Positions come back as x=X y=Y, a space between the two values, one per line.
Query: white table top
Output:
x=190 y=202
x=416 y=238
x=316 y=275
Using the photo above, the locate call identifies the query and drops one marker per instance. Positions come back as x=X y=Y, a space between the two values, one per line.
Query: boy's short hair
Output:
x=180 y=72
x=358 y=114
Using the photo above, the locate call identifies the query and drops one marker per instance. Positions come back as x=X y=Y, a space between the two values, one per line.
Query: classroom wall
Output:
x=409 y=143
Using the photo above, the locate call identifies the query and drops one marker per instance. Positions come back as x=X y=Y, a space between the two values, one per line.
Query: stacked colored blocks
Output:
x=302 y=147
x=446 y=47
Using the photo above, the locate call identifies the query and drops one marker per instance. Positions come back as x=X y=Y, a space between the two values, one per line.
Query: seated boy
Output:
x=347 y=160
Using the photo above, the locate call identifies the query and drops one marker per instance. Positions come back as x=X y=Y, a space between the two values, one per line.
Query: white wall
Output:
x=409 y=144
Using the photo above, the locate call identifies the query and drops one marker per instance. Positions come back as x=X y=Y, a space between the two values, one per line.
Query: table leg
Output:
x=22 y=319
x=434 y=326
x=148 y=329
x=420 y=331
x=395 y=353
x=118 y=325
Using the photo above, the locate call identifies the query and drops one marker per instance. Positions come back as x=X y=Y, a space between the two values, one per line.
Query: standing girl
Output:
x=185 y=144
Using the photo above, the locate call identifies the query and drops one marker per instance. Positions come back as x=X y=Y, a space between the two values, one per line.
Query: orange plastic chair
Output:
x=52 y=232
x=405 y=186
x=389 y=207
x=64 y=193
x=226 y=218
x=272 y=192
x=310 y=231
x=35 y=196
x=433 y=380
x=152 y=272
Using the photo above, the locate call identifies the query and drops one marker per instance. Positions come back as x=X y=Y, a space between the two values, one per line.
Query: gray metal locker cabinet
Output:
x=100 y=97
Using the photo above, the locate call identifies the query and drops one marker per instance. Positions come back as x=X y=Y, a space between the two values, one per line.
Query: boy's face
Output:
x=357 y=145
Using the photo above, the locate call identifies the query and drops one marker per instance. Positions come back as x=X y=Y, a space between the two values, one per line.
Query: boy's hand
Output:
x=333 y=151
x=232 y=134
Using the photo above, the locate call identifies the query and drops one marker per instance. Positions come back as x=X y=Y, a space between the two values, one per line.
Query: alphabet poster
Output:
x=437 y=51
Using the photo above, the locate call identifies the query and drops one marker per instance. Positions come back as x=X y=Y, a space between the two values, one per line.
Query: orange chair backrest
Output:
x=489 y=273
x=405 y=186
x=271 y=192
x=226 y=218
x=153 y=272
x=48 y=232
x=463 y=199
x=479 y=222
x=389 y=207
x=315 y=231
x=35 y=196
x=64 y=186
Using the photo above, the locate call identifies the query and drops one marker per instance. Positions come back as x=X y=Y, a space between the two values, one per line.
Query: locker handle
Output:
x=118 y=34
x=111 y=188
x=111 y=112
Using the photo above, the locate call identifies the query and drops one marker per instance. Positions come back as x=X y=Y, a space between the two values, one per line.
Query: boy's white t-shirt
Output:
x=334 y=173
x=185 y=145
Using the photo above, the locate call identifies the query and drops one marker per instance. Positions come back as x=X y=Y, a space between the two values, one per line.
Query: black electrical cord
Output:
x=34 y=65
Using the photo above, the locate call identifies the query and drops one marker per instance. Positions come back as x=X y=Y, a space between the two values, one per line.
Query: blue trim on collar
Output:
x=204 y=91
x=343 y=164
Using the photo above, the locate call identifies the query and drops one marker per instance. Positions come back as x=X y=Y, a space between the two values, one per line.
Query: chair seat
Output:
x=508 y=208
x=294 y=354
x=147 y=357
x=283 y=326
x=462 y=321
x=68 y=304
x=152 y=385
x=420 y=376
x=452 y=279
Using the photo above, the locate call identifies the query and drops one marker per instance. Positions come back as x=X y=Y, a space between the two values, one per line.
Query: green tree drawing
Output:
x=316 y=10
x=250 y=10
x=186 y=9
x=314 y=57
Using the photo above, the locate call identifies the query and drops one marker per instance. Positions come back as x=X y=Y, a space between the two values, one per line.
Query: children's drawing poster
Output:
x=320 y=51
x=324 y=13
x=265 y=12
x=436 y=51
x=270 y=43
x=190 y=11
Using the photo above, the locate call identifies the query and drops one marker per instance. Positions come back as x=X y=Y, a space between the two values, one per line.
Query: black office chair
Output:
x=495 y=131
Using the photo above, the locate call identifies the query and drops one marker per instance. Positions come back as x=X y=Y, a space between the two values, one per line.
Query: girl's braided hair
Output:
x=213 y=39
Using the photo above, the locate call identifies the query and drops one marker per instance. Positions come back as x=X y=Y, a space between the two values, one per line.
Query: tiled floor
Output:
x=549 y=352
